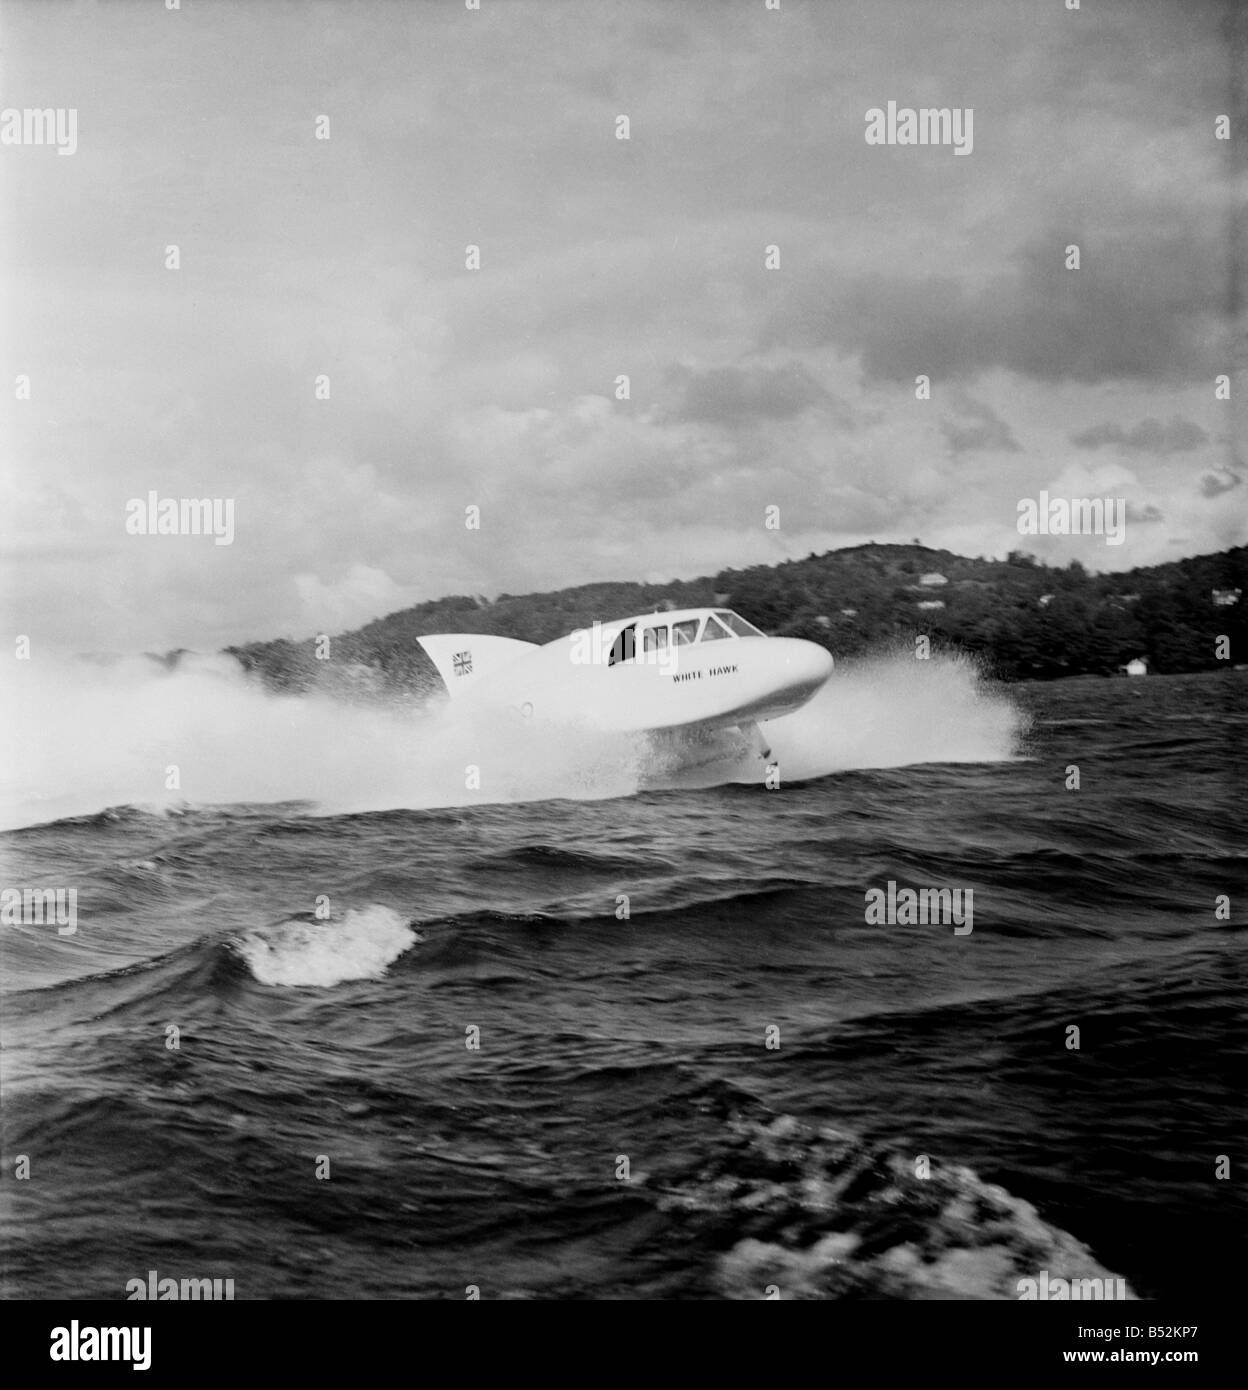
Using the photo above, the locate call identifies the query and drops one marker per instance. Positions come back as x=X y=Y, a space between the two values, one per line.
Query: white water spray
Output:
x=80 y=737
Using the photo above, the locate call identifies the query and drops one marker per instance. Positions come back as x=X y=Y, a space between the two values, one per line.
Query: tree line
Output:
x=1023 y=618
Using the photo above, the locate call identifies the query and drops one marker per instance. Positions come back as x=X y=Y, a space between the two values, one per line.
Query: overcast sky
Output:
x=750 y=387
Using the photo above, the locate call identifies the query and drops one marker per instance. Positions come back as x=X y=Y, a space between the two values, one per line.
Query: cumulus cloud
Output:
x=979 y=428
x=740 y=395
x=1150 y=436
x=343 y=261
x=1215 y=484
x=1149 y=306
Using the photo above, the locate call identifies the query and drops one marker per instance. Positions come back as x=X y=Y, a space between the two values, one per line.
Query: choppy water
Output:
x=603 y=1038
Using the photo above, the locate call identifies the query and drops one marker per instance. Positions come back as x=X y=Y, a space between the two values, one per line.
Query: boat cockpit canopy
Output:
x=658 y=632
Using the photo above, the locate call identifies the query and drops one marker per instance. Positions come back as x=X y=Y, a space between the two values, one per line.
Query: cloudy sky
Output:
x=750 y=387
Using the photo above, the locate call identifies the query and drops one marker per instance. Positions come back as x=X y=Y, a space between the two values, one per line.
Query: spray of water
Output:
x=80 y=737
x=895 y=711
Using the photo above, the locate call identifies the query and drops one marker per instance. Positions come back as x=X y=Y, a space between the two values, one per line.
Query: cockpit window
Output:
x=715 y=627
x=738 y=625
x=624 y=648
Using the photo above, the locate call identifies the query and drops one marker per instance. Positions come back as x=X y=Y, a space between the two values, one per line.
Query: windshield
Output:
x=738 y=624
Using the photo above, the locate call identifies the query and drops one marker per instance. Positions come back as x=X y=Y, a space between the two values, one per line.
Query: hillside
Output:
x=1026 y=620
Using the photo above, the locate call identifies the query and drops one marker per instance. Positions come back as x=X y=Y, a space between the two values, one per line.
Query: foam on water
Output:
x=302 y=952
x=894 y=711
x=80 y=737
x=83 y=736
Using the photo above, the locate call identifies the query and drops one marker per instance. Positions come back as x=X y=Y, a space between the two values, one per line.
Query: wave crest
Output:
x=305 y=952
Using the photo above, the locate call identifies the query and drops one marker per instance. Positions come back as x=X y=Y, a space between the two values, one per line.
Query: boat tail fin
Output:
x=465 y=658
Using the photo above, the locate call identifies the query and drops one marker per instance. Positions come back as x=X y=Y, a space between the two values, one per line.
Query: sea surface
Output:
x=335 y=1024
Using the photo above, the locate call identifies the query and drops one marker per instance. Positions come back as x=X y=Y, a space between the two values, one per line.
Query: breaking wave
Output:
x=304 y=951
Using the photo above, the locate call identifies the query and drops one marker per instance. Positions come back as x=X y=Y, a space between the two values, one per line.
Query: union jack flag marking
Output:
x=462 y=662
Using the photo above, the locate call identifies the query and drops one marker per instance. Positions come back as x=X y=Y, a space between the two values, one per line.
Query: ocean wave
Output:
x=547 y=858
x=303 y=951
x=810 y=1212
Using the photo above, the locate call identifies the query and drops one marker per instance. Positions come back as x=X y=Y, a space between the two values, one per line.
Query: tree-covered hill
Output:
x=1026 y=619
